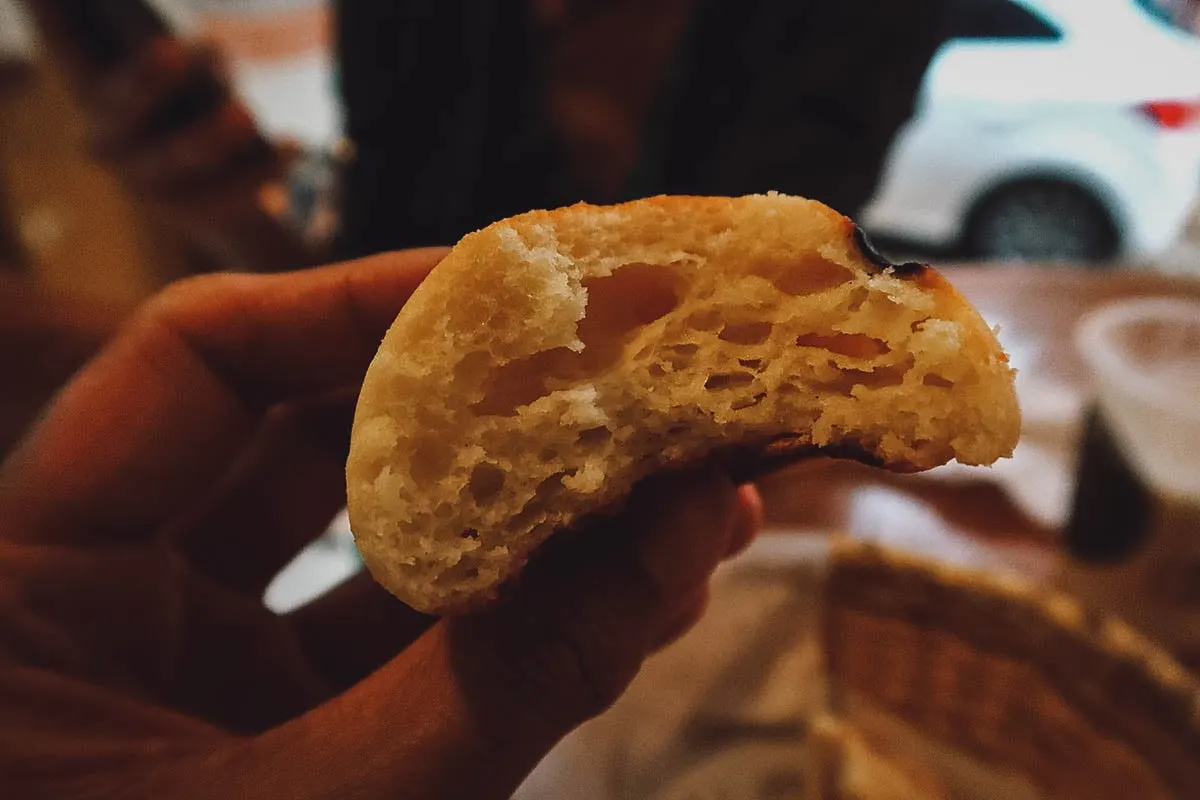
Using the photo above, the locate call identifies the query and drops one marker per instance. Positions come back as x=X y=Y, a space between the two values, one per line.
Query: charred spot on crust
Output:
x=867 y=248
x=748 y=461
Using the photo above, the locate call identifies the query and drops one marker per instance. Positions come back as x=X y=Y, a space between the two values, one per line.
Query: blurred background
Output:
x=1040 y=129
x=1044 y=153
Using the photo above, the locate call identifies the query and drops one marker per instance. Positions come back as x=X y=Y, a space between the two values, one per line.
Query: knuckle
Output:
x=180 y=296
x=580 y=666
x=175 y=305
x=569 y=651
x=238 y=120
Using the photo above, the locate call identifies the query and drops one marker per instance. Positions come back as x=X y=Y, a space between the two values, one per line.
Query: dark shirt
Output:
x=445 y=105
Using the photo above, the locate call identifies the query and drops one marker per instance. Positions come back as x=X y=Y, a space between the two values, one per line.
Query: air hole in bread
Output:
x=618 y=305
x=552 y=486
x=546 y=491
x=746 y=332
x=473 y=366
x=751 y=363
x=848 y=379
x=937 y=380
x=431 y=458
x=787 y=388
x=499 y=318
x=593 y=436
x=656 y=370
x=857 y=345
x=728 y=380
x=680 y=356
x=810 y=275
x=708 y=319
x=880 y=376
x=747 y=402
x=520 y=382
x=485 y=483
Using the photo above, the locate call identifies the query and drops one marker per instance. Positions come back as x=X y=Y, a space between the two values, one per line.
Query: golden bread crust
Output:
x=554 y=359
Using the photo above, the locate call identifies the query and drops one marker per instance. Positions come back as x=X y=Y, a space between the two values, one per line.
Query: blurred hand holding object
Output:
x=163 y=117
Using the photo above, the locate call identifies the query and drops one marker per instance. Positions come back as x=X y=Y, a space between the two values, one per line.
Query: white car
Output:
x=1049 y=129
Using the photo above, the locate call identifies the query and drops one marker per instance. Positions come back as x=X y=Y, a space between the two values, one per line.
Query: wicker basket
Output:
x=1020 y=684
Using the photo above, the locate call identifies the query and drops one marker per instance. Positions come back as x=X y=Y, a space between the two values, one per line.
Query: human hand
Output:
x=165 y=120
x=142 y=518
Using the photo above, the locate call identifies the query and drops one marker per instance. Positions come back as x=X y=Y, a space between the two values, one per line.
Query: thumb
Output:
x=586 y=616
x=477 y=701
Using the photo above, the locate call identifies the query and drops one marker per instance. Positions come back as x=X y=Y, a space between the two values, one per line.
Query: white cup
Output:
x=1145 y=359
x=1135 y=526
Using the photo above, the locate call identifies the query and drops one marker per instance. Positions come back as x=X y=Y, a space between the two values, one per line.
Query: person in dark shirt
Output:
x=462 y=113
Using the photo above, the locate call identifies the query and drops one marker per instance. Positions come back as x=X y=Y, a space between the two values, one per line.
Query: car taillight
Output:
x=1173 y=114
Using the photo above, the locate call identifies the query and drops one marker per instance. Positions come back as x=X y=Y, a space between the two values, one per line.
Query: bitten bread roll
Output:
x=554 y=359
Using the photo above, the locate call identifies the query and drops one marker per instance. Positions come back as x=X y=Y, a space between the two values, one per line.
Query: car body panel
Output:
x=993 y=112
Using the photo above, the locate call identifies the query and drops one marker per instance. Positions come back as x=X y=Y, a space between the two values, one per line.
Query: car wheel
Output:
x=1042 y=219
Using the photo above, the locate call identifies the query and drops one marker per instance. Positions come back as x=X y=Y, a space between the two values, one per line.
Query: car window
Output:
x=1157 y=9
x=999 y=19
x=1171 y=13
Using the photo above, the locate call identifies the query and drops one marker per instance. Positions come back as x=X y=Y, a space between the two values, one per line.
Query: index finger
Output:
x=147 y=428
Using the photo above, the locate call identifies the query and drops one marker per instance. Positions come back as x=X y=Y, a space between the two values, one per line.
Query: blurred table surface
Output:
x=45 y=336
